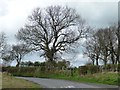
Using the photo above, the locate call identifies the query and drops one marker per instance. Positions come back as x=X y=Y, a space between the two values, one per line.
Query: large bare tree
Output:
x=52 y=30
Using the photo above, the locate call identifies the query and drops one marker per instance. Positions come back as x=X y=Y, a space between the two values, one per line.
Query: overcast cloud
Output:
x=14 y=13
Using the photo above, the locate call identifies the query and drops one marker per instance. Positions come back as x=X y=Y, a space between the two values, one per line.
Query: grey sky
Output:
x=97 y=13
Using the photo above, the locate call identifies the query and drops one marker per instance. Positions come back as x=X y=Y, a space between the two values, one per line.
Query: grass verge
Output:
x=9 y=81
x=109 y=78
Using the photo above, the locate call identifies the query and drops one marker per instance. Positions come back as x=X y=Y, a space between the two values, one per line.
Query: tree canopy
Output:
x=52 y=30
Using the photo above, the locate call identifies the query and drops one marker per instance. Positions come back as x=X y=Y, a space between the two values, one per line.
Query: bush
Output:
x=89 y=69
x=93 y=69
x=111 y=67
x=19 y=70
x=83 y=70
x=10 y=69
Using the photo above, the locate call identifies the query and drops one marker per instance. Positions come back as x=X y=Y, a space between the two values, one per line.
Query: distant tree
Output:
x=118 y=38
x=116 y=29
x=52 y=30
x=2 y=43
x=30 y=63
x=93 y=48
x=102 y=45
x=63 y=64
x=36 y=63
x=5 y=57
x=18 y=52
x=23 y=64
x=112 y=43
x=42 y=63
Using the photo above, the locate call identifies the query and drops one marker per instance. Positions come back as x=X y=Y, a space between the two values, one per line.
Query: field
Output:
x=9 y=81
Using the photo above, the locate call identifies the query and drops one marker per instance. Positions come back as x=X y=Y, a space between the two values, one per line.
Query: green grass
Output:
x=0 y=81
x=9 y=81
x=103 y=78
x=110 y=78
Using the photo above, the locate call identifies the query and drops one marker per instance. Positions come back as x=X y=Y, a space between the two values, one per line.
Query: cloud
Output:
x=79 y=60
x=97 y=14
x=3 y=8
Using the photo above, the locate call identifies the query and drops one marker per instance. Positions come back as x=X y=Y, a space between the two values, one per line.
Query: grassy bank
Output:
x=106 y=77
x=9 y=81
x=103 y=78
x=110 y=78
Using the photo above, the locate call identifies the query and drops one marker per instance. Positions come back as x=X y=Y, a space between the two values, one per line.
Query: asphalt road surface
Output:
x=55 y=83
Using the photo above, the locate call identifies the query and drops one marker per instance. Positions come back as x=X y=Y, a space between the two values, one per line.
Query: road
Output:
x=55 y=83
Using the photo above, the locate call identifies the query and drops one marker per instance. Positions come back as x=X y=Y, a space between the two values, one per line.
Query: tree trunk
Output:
x=97 y=57
x=105 y=60
x=18 y=64
x=93 y=62
x=112 y=52
x=112 y=58
x=50 y=57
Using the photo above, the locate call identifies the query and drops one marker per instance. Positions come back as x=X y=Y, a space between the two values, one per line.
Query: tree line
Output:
x=59 y=64
x=104 y=45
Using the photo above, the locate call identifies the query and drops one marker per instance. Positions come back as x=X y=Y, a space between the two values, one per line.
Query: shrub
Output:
x=93 y=69
x=83 y=70
x=111 y=67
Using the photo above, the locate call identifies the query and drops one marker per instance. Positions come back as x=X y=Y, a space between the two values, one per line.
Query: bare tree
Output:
x=104 y=43
x=112 y=43
x=4 y=50
x=18 y=52
x=52 y=30
x=7 y=57
x=2 y=43
x=93 y=48
x=101 y=45
x=118 y=37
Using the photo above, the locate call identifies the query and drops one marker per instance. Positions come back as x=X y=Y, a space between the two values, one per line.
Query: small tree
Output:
x=2 y=44
x=93 y=48
x=36 y=63
x=5 y=57
x=18 y=52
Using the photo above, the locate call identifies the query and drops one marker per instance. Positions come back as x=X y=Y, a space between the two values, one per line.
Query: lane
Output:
x=55 y=83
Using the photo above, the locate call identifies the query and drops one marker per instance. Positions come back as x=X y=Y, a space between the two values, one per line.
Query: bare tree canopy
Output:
x=52 y=30
x=18 y=52
x=104 y=45
x=2 y=43
x=118 y=36
x=2 y=40
x=92 y=47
